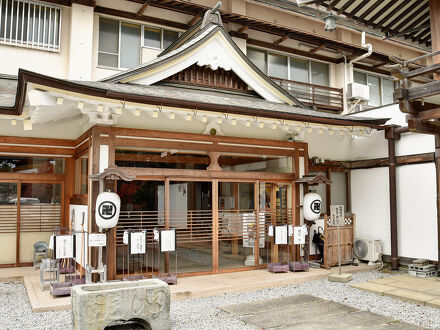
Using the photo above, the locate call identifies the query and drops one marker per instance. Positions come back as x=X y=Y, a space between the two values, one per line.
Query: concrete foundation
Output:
x=95 y=306
x=343 y=277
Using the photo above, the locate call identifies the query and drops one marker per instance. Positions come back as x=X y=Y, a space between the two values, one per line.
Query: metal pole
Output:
x=339 y=248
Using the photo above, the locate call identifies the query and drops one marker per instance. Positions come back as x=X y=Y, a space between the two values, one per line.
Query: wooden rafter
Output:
x=368 y=11
x=429 y=114
x=143 y=8
x=243 y=28
x=390 y=14
x=359 y=7
x=416 y=125
x=345 y=6
x=194 y=19
x=380 y=12
x=333 y=4
x=314 y=50
x=403 y=15
x=277 y=42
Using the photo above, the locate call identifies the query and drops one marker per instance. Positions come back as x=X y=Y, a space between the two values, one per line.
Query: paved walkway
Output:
x=423 y=291
x=187 y=287
x=309 y=312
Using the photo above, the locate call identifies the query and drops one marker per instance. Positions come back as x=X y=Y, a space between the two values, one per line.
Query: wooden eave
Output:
x=113 y=172
x=312 y=180
x=25 y=77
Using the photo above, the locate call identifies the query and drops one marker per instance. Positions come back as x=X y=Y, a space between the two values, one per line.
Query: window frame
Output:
x=142 y=43
x=289 y=58
x=54 y=26
x=381 y=90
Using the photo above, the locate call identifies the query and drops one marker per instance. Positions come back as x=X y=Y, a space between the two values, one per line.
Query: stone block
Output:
x=95 y=306
x=343 y=277
x=373 y=287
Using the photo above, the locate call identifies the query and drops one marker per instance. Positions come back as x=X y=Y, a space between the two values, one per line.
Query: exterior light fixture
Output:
x=60 y=100
x=188 y=117
x=100 y=108
x=118 y=110
x=219 y=120
x=137 y=113
x=261 y=125
x=172 y=115
x=13 y=122
x=80 y=105
x=248 y=123
x=27 y=125
x=155 y=114
x=204 y=119
x=234 y=122
x=330 y=23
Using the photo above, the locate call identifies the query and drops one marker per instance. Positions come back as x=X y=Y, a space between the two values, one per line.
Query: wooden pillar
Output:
x=393 y=202
x=17 y=246
x=273 y=216
x=257 y=221
x=234 y=247
x=437 y=172
x=167 y=221
x=328 y=192
x=434 y=12
x=94 y=140
x=296 y=211
x=215 y=226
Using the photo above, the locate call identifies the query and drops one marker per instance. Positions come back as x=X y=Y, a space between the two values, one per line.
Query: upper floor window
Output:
x=32 y=24
x=290 y=68
x=120 y=43
x=381 y=89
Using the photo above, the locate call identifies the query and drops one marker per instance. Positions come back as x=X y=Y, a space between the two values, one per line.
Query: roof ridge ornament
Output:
x=212 y=16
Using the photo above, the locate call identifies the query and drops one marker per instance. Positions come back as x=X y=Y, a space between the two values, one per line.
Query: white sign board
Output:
x=270 y=231
x=299 y=235
x=337 y=215
x=63 y=246
x=125 y=238
x=250 y=230
x=138 y=242
x=79 y=215
x=167 y=240
x=280 y=234
x=97 y=239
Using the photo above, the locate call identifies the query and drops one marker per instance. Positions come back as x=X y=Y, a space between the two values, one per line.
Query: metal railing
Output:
x=321 y=97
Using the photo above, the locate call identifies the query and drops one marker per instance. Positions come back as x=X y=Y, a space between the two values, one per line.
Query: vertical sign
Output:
x=337 y=215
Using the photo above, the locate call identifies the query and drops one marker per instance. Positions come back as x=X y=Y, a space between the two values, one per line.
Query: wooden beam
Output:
x=379 y=65
x=314 y=50
x=193 y=20
x=143 y=8
x=215 y=226
x=417 y=92
x=423 y=127
x=277 y=42
x=434 y=12
x=243 y=28
x=429 y=114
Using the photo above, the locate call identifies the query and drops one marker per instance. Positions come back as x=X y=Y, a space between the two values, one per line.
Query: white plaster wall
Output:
x=370 y=203
x=41 y=61
x=416 y=211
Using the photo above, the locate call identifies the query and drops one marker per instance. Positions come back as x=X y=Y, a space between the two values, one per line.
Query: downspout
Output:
x=369 y=48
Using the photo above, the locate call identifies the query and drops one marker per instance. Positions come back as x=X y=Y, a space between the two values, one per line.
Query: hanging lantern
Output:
x=312 y=206
x=108 y=206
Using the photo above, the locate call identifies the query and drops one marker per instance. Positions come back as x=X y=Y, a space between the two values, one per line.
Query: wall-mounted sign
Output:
x=337 y=215
x=107 y=210
x=299 y=235
x=97 y=239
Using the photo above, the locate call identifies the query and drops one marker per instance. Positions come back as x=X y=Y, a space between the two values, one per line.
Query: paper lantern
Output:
x=312 y=206
x=108 y=206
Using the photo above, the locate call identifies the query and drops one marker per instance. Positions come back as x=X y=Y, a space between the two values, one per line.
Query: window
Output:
x=381 y=89
x=120 y=42
x=28 y=23
x=285 y=67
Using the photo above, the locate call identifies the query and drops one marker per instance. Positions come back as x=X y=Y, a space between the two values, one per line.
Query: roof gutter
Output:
x=369 y=48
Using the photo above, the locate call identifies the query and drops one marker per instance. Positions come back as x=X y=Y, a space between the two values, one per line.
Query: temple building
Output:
x=203 y=116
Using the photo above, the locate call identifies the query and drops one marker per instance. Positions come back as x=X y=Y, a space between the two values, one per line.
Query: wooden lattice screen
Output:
x=331 y=242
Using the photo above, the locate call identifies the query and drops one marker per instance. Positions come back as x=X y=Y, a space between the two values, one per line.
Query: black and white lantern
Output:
x=108 y=206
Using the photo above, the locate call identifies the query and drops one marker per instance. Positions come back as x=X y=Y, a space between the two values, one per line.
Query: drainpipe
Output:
x=369 y=48
x=391 y=137
x=437 y=172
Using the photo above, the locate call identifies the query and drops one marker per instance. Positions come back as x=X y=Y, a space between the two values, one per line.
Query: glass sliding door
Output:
x=8 y=223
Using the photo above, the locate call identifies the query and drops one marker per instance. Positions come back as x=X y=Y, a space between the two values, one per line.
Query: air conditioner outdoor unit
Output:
x=367 y=249
x=356 y=91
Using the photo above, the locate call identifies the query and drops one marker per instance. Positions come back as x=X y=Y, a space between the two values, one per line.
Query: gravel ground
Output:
x=203 y=313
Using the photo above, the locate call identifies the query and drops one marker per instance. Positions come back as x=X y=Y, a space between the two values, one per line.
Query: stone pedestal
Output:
x=94 y=306
x=343 y=277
